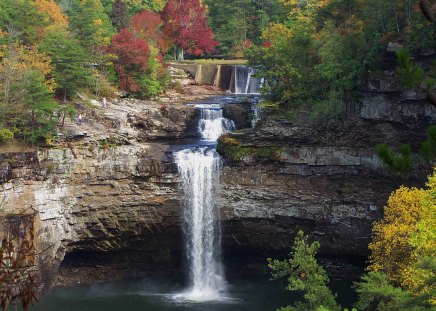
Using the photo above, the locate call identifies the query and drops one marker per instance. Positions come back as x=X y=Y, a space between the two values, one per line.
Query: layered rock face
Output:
x=325 y=179
x=105 y=203
x=116 y=208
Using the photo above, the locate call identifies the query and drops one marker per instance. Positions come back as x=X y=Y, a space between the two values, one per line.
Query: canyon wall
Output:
x=105 y=202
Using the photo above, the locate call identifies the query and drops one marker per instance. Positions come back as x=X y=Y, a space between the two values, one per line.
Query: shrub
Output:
x=6 y=135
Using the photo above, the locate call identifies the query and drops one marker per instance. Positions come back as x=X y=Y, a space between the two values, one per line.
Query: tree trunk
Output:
x=408 y=10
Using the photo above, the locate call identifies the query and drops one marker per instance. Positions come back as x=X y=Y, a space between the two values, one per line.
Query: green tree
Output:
x=21 y=17
x=89 y=24
x=39 y=100
x=236 y=22
x=376 y=293
x=305 y=275
x=69 y=60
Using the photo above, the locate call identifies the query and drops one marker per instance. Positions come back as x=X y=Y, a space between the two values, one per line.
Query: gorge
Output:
x=101 y=213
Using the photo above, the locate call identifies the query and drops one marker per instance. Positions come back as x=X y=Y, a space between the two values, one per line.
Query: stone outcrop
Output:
x=326 y=179
x=105 y=202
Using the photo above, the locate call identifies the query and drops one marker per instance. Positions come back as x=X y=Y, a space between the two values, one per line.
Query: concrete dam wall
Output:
x=238 y=79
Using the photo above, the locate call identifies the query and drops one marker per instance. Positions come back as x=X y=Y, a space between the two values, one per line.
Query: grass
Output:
x=217 y=61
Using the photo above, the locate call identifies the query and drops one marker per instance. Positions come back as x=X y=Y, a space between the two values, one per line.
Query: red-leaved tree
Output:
x=132 y=56
x=148 y=26
x=186 y=23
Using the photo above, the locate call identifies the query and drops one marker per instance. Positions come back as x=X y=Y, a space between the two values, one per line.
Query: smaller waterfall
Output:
x=255 y=114
x=212 y=124
x=245 y=82
x=217 y=80
x=199 y=74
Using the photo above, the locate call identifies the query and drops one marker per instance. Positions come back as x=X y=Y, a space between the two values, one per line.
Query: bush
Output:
x=6 y=135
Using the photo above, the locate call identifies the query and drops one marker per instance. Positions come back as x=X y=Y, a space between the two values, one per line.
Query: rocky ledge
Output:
x=104 y=202
x=326 y=179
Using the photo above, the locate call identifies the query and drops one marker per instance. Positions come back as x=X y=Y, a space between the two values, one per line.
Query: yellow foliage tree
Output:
x=16 y=61
x=391 y=250
x=52 y=14
x=405 y=236
x=423 y=242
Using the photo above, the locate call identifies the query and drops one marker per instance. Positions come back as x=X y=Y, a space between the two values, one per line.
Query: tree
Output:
x=390 y=247
x=376 y=293
x=305 y=275
x=135 y=6
x=414 y=77
x=405 y=237
x=52 y=14
x=119 y=14
x=132 y=56
x=235 y=22
x=68 y=58
x=39 y=100
x=89 y=24
x=147 y=25
x=21 y=17
x=186 y=23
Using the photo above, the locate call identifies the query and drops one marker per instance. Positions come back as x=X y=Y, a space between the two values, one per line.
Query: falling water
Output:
x=212 y=124
x=255 y=114
x=217 y=80
x=245 y=81
x=199 y=170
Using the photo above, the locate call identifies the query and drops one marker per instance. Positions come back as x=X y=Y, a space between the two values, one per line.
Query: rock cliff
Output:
x=105 y=202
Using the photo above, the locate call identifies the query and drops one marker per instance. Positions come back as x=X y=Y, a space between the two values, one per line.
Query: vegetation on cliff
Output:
x=322 y=53
x=51 y=50
x=402 y=270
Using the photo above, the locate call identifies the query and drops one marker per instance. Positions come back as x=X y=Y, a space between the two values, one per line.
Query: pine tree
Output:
x=305 y=275
x=42 y=106
x=68 y=58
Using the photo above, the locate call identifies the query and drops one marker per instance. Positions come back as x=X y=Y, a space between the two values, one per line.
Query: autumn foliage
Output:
x=406 y=236
x=148 y=26
x=132 y=56
x=186 y=25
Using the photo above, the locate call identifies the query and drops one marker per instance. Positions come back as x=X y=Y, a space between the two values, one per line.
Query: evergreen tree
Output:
x=89 y=24
x=68 y=58
x=39 y=100
x=305 y=275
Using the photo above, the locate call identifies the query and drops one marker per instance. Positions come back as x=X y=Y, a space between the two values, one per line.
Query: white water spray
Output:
x=212 y=124
x=199 y=170
x=245 y=80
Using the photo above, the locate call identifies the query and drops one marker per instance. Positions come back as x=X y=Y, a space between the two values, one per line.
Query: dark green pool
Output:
x=162 y=294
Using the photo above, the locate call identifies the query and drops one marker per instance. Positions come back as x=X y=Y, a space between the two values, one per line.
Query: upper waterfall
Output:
x=245 y=81
x=212 y=124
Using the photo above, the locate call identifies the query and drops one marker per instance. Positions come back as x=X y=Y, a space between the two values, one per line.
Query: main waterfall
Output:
x=199 y=170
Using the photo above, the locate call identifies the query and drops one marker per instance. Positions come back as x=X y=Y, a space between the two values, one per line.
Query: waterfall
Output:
x=217 y=80
x=199 y=74
x=199 y=170
x=255 y=114
x=212 y=124
x=245 y=82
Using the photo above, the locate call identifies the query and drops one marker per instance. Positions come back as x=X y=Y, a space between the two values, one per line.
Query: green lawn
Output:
x=217 y=61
